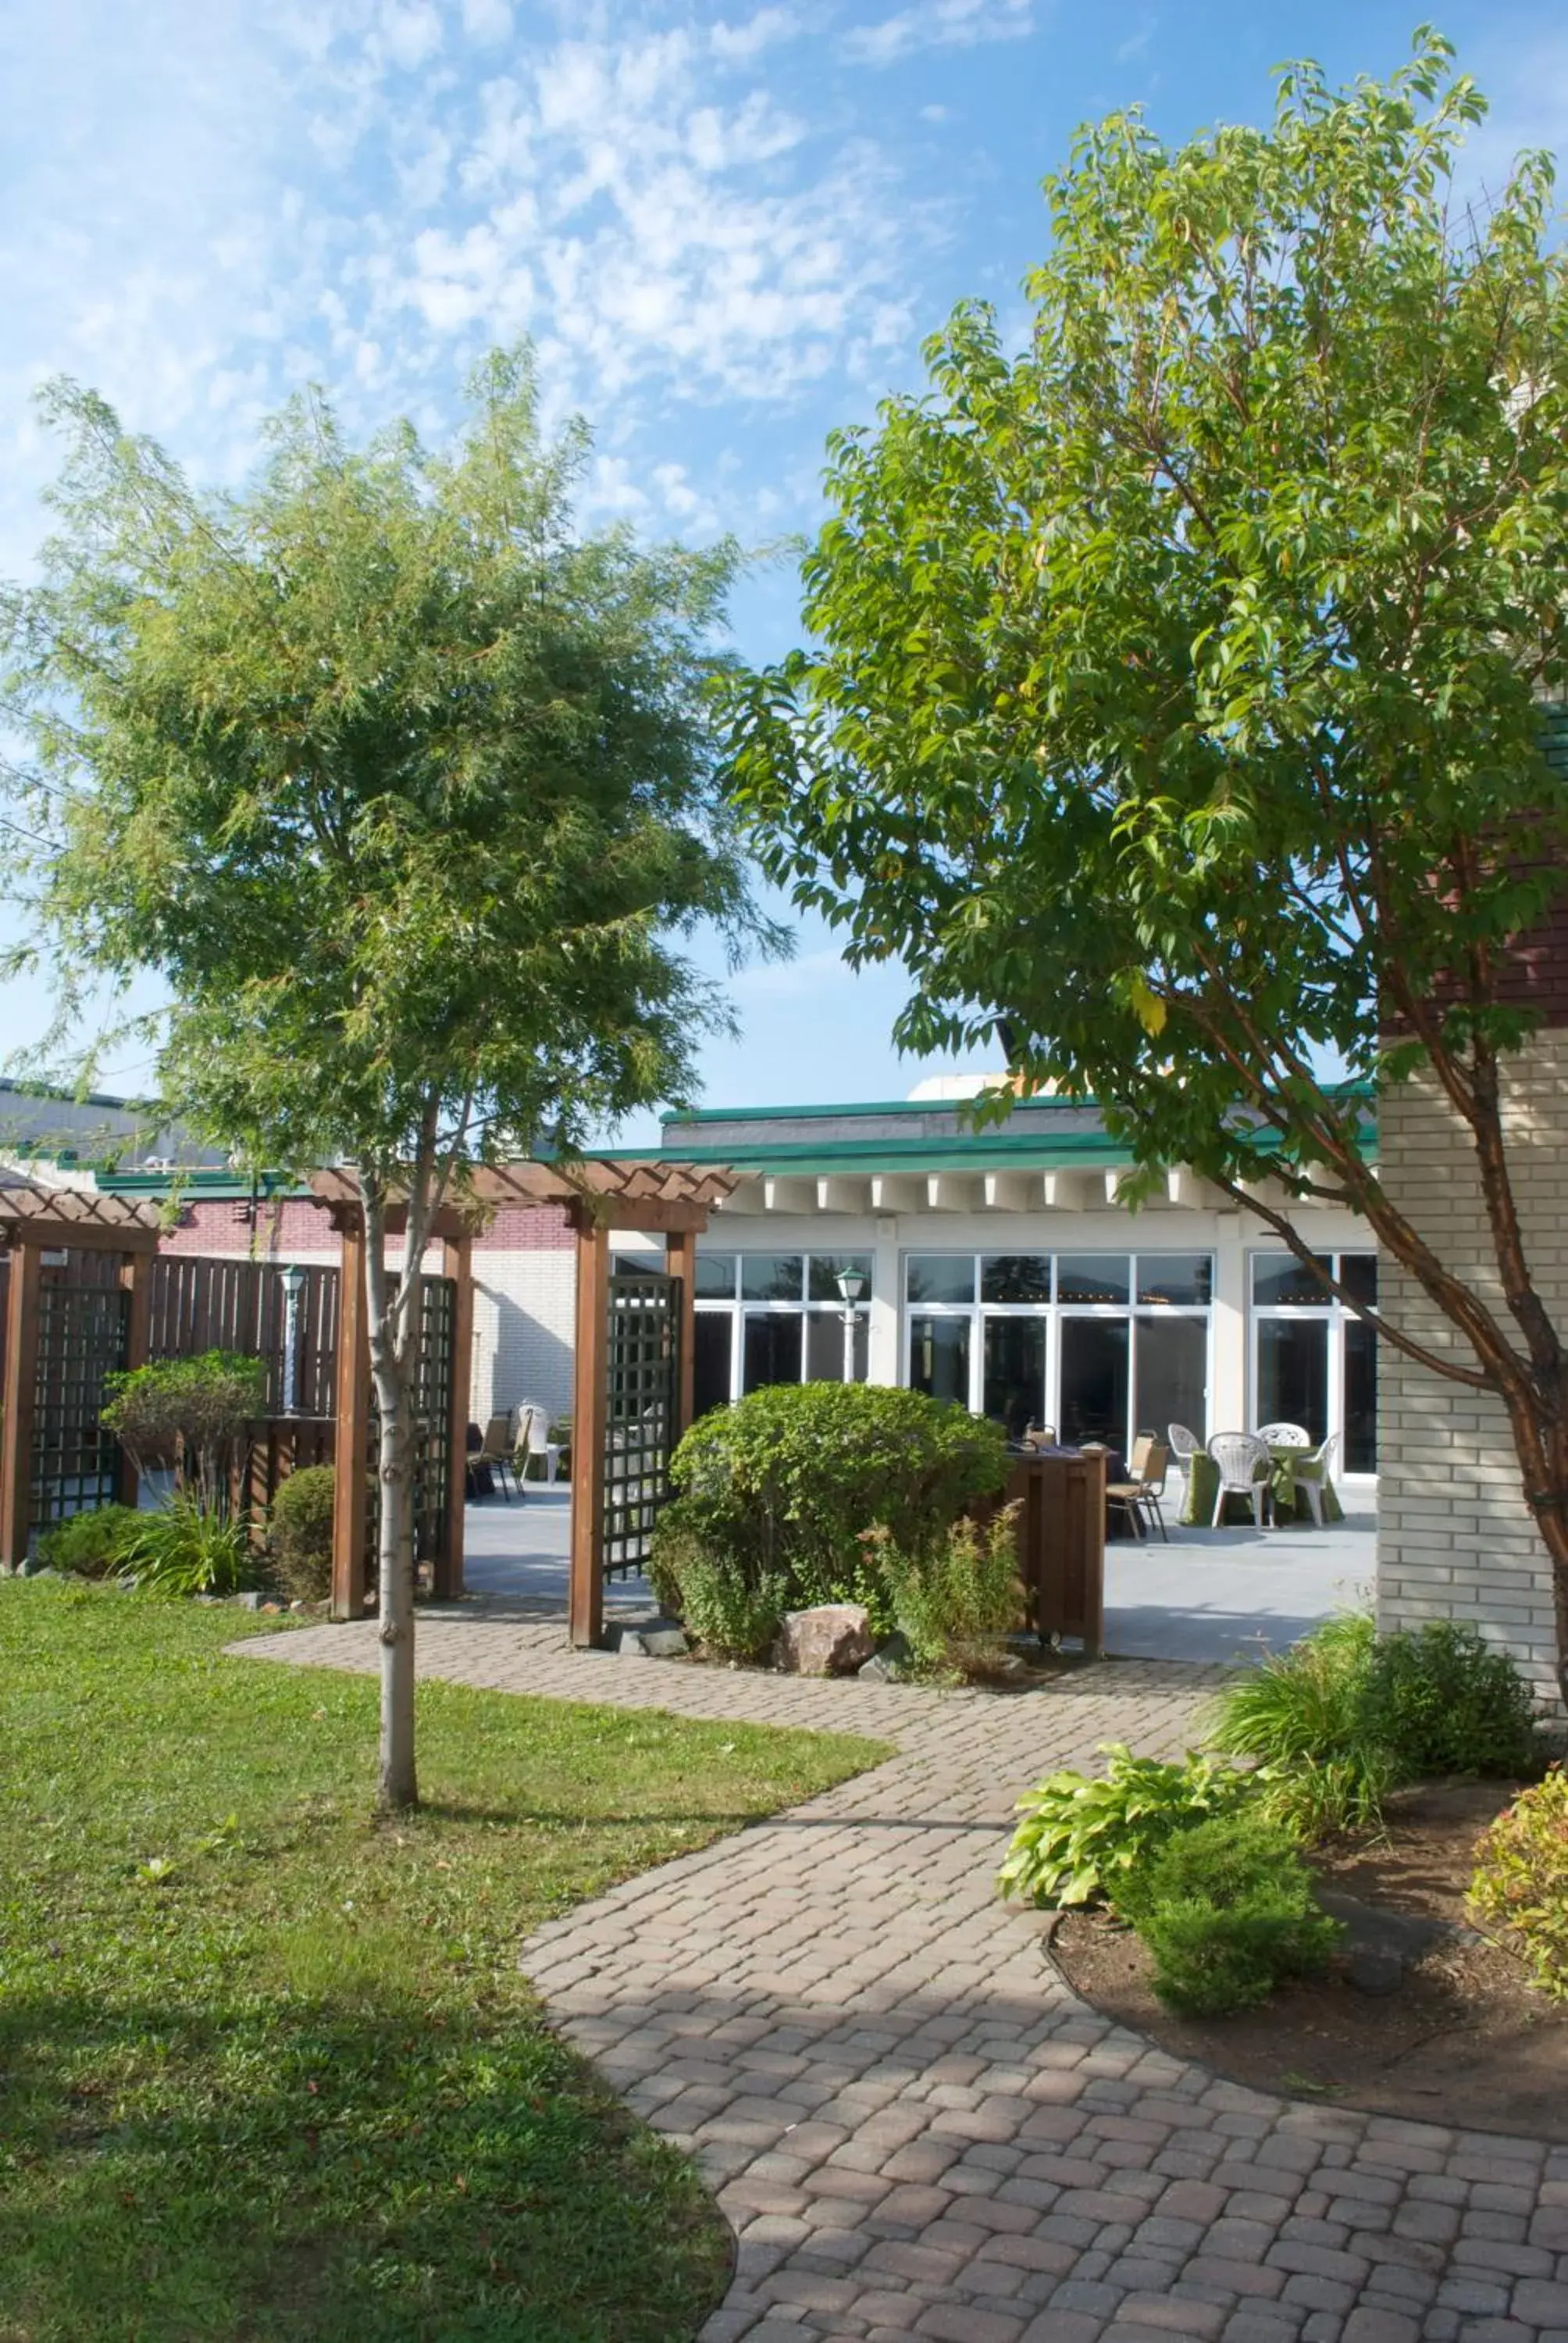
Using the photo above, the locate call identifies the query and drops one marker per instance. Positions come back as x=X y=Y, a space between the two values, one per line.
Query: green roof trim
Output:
x=1039 y=1104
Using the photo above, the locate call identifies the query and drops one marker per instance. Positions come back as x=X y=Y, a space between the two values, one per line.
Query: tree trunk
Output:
x=397 y=1785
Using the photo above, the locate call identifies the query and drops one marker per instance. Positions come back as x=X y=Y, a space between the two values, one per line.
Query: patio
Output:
x=1208 y=1595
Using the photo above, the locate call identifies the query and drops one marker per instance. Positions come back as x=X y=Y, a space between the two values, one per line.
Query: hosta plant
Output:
x=1080 y=1836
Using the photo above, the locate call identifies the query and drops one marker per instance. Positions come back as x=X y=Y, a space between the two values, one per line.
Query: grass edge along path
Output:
x=268 y=2066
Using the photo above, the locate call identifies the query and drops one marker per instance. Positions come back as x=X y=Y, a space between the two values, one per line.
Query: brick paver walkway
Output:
x=916 y=2131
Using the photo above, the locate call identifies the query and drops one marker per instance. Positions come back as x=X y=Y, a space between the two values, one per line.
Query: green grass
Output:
x=267 y=2069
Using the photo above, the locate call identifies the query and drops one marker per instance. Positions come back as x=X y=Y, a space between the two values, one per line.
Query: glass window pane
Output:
x=715 y=1279
x=940 y=1277
x=1176 y=1277
x=1358 y=1275
x=772 y=1351
x=1013 y=1392
x=1360 y=1397
x=1278 y=1278
x=1094 y=1380
x=772 y=1277
x=1171 y=1357
x=1092 y=1277
x=824 y=1277
x=1294 y=1373
x=713 y=1348
x=825 y=1347
x=1015 y=1277
x=939 y=1358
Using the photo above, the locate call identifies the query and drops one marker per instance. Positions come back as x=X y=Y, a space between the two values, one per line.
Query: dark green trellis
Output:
x=640 y=1410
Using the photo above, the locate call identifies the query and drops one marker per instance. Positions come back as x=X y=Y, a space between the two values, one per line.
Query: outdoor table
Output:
x=1203 y=1479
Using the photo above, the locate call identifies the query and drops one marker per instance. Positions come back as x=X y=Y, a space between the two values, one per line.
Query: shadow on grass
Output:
x=284 y=2168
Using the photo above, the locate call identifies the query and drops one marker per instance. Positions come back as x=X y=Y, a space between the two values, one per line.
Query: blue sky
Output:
x=726 y=228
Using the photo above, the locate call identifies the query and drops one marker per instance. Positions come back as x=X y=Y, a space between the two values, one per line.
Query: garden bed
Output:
x=1464 y=2040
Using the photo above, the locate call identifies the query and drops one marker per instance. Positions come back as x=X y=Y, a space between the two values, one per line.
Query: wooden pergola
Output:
x=35 y=1222
x=599 y=1194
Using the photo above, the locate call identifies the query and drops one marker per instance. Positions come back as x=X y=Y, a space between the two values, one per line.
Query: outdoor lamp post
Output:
x=293 y=1293
x=851 y=1284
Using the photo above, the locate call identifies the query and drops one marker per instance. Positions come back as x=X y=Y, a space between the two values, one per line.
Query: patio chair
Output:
x=1313 y=1477
x=1142 y=1493
x=1041 y=1435
x=1184 y=1445
x=1285 y=1436
x=494 y=1451
x=534 y=1438
x=1244 y=1465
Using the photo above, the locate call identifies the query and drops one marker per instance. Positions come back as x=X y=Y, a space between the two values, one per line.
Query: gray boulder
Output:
x=832 y=1639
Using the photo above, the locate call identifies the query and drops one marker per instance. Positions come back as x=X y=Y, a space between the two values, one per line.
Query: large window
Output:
x=775 y=1318
x=1314 y=1362
x=1101 y=1346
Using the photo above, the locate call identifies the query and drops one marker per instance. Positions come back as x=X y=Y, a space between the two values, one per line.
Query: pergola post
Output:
x=136 y=1277
x=680 y=1261
x=589 y=1396
x=16 y=1399
x=458 y=1264
x=351 y=1453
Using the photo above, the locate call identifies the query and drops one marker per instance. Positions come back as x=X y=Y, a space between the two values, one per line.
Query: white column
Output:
x=886 y=1309
x=1228 y=1374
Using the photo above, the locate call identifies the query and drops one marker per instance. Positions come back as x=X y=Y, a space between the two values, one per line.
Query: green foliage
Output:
x=958 y=1599
x=90 y=1546
x=1521 y=1882
x=1227 y=1910
x=785 y=1485
x=731 y=1618
x=187 y=1412
x=268 y=2071
x=1445 y=1704
x=1082 y=1838
x=187 y=1548
x=1346 y=1715
x=300 y=1533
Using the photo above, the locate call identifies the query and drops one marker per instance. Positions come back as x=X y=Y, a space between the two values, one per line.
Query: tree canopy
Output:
x=1174 y=705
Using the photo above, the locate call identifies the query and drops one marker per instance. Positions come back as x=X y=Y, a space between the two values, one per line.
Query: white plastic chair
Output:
x=1285 y=1436
x=1313 y=1476
x=534 y=1437
x=1184 y=1445
x=1244 y=1465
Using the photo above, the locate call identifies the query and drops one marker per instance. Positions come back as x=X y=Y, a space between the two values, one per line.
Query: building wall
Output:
x=1454 y=1540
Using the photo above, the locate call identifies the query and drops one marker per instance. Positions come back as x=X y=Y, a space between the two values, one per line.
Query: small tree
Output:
x=190 y=1413
x=1177 y=708
x=404 y=790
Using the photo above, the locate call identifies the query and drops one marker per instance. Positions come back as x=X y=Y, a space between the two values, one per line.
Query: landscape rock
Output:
x=1375 y=1968
x=247 y=1602
x=652 y=1639
x=889 y=1663
x=832 y=1639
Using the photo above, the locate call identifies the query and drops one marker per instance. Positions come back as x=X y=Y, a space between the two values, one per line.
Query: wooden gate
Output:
x=83 y=1337
x=640 y=1414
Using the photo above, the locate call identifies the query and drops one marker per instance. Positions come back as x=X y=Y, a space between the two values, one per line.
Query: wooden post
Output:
x=351 y=1447
x=136 y=1277
x=458 y=1264
x=589 y=1403
x=17 y=1424
x=680 y=1261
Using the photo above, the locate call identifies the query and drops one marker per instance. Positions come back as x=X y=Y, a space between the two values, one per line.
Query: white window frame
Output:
x=1330 y=1312
x=738 y=1311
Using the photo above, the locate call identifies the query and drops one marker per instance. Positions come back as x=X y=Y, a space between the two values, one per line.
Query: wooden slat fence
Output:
x=210 y=1304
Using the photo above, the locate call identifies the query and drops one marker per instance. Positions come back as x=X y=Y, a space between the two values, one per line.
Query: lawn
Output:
x=267 y=2068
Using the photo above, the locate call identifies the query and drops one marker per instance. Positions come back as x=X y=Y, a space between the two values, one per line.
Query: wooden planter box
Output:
x=1061 y=1544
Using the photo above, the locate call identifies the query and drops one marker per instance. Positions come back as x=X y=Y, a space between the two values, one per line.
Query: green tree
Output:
x=1175 y=703
x=406 y=792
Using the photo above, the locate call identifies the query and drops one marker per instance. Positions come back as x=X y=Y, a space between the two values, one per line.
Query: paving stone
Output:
x=919 y=2133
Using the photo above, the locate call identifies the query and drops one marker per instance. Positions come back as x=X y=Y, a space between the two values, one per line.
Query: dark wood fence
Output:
x=235 y=1305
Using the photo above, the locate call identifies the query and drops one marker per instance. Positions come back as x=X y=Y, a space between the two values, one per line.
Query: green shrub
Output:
x=189 y=1414
x=185 y=1548
x=1082 y=1838
x=731 y=1619
x=1521 y=1880
x=1444 y=1704
x=300 y=1533
x=954 y=1603
x=1227 y=1910
x=90 y=1545
x=783 y=1486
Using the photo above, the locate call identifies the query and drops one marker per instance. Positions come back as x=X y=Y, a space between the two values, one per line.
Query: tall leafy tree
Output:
x=406 y=790
x=1175 y=702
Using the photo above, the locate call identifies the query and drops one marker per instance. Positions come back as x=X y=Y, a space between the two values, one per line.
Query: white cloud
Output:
x=411 y=33
x=488 y=21
x=739 y=44
x=937 y=24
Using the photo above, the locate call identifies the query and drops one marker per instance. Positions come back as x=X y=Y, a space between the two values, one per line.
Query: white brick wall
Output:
x=523 y=1325
x=1454 y=1539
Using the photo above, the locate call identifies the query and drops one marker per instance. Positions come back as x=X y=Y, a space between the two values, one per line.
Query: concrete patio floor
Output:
x=1223 y=1594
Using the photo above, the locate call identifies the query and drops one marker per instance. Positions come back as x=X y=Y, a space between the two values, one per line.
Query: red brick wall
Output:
x=284 y=1229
